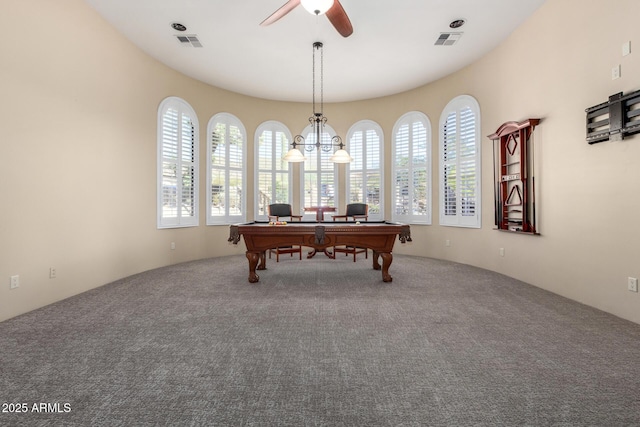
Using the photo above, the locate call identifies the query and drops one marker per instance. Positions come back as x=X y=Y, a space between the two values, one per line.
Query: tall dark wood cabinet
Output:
x=515 y=192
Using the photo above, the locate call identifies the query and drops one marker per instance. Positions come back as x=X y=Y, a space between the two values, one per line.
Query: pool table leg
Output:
x=253 y=258
x=262 y=265
x=376 y=263
x=387 y=259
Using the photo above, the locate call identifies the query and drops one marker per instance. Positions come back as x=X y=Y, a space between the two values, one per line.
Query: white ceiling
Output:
x=391 y=49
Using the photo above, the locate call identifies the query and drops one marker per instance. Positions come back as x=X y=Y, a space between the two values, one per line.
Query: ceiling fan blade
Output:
x=338 y=17
x=284 y=9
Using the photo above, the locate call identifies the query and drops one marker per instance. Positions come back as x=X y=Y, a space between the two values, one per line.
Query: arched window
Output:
x=273 y=177
x=460 y=161
x=226 y=180
x=319 y=174
x=178 y=159
x=411 y=198
x=365 y=174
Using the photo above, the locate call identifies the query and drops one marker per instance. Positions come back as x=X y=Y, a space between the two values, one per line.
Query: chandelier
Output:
x=317 y=122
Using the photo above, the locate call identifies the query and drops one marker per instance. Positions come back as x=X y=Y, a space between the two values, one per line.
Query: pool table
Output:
x=379 y=236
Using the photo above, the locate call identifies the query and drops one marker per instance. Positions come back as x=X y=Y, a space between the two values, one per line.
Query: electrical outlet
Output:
x=501 y=251
x=632 y=284
x=447 y=242
x=52 y=273
x=15 y=282
x=615 y=72
x=173 y=246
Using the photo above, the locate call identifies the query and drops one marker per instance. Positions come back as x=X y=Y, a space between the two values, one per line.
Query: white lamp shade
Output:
x=341 y=156
x=317 y=7
x=294 y=156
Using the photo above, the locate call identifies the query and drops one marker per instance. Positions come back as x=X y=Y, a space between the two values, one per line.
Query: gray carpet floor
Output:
x=319 y=342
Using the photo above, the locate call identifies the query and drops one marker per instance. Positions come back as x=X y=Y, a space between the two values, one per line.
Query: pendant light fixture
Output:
x=317 y=122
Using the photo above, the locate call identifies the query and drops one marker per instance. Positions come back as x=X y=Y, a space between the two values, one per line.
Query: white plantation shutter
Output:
x=469 y=163
x=273 y=179
x=226 y=182
x=411 y=198
x=365 y=172
x=177 y=164
x=460 y=163
x=450 y=160
x=319 y=174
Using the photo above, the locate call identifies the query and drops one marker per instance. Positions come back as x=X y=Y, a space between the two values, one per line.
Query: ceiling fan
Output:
x=332 y=8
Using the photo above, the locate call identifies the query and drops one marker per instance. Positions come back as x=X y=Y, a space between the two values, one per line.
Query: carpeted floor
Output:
x=319 y=343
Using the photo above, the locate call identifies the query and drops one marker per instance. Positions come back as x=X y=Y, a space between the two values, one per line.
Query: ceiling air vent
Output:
x=191 y=40
x=448 y=39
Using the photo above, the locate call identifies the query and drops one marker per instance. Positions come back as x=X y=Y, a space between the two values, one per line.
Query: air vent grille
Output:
x=189 y=40
x=448 y=39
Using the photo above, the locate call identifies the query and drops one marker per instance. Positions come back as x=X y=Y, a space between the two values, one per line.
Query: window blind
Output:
x=412 y=169
x=273 y=180
x=319 y=173
x=225 y=170
x=177 y=165
x=364 y=173
x=460 y=164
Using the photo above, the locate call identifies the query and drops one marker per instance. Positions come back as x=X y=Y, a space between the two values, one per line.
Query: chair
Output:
x=283 y=210
x=355 y=211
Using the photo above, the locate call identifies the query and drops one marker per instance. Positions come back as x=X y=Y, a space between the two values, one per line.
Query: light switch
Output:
x=626 y=48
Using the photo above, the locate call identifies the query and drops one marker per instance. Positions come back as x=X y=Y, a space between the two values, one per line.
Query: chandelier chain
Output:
x=321 y=80
x=313 y=77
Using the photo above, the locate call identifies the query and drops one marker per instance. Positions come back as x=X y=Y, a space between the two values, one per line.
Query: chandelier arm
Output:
x=297 y=140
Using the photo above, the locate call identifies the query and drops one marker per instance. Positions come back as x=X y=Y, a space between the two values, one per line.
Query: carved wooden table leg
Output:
x=253 y=261
x=376 y=262
x=262 y=265
x=387 y=259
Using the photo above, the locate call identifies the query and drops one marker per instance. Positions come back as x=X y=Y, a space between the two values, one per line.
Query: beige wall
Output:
x=78 y=150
